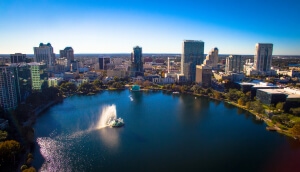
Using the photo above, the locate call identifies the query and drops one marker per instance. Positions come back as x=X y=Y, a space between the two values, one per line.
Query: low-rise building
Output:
x=203 y=75
x=273 y=96
x=254 y=86
x=78 y=82
x=54 y=81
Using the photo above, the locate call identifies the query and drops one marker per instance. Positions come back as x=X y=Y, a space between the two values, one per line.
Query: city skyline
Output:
x=158 y=26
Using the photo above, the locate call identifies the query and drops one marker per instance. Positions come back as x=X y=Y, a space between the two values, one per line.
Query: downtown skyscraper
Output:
x=44 y=53
x=137 y=62
x=9 y=87
x=192 y=55
x=67 y=53
x=263 y=57
x=233 y=64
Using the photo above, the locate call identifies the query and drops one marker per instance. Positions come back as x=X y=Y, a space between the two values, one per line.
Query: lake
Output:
x=162 y=132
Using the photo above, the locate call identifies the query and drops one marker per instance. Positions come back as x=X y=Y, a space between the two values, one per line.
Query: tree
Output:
x=295 y=111
x=146 y=83
x=279 y=106
x=217 y=95
x=86 y=88
x=248 y=105
x=98 y=83
x=118 y=85
x=296 y=129
x=68 y=88
x=51 y=93
x=3 y=135
x=234 y=94
x=116 y=79
x=241 y=101
x=8 y=151
x=30 y=169
x=257 y=107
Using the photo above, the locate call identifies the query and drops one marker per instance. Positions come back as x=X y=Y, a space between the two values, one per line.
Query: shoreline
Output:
x=270 y=125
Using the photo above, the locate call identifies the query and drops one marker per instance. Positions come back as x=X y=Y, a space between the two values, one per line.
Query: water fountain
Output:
x=108 y=112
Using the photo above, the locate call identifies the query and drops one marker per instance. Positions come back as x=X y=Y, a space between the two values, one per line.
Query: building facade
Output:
x=203 y=75
x=263 y=57
x=44 y=53
x=17 y=58
x=103 y=61
x=54 y=81
x=212 y=58
x=234 y=64
x=192 y=55
x=8 y=87
x=137 y=62
x=39 y=75
x=67 y=53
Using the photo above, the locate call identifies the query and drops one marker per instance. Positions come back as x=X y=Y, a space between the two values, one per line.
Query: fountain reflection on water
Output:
x=56 y=149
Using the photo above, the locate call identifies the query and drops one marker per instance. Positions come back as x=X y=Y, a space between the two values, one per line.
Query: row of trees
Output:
x=69 y=88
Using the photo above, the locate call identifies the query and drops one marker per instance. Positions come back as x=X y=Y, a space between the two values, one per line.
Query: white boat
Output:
x=175 y=92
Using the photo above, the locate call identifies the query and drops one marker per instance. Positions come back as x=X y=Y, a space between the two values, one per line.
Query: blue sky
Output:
x=115 y=26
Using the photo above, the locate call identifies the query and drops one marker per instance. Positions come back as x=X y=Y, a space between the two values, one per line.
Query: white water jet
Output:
x=107 y=113
x=131 y=99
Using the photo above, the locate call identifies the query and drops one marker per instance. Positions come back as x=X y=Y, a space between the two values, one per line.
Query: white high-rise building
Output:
x=263 y=57
x=212 y=58
x=234 y=64
x=44 y=53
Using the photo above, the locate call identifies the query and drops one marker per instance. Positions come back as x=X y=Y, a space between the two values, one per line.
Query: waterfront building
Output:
x=137 y=62
x=233 y=64
x=8 y=87
x=135 y=88
x=54 y=81
x=91 y=75
x=17 y=58
x=44 y=53
x=103 y=62
x=212 y=58
x=39 y=75
x=67 y=53
x=192 y=55
x=263 y=57
x=79 y=82
x=23 y=79
x=203 y=75
x=254 y=86
x=273 y=96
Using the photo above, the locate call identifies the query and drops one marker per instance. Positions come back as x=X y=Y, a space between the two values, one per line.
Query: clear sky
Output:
x=159 y=26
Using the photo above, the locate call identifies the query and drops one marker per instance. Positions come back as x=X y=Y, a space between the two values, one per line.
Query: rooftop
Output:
x=193 y=41
x=291 y=93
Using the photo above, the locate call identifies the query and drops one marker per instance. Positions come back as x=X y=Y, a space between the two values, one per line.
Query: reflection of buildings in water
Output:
x=192 y=110
x=137 y=96
x=110 y=136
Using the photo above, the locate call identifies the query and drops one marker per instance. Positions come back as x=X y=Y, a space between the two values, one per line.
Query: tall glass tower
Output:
x=137 y=62
x=192 y=55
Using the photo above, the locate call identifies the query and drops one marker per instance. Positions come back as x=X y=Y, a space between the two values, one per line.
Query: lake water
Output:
x=162 y=132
